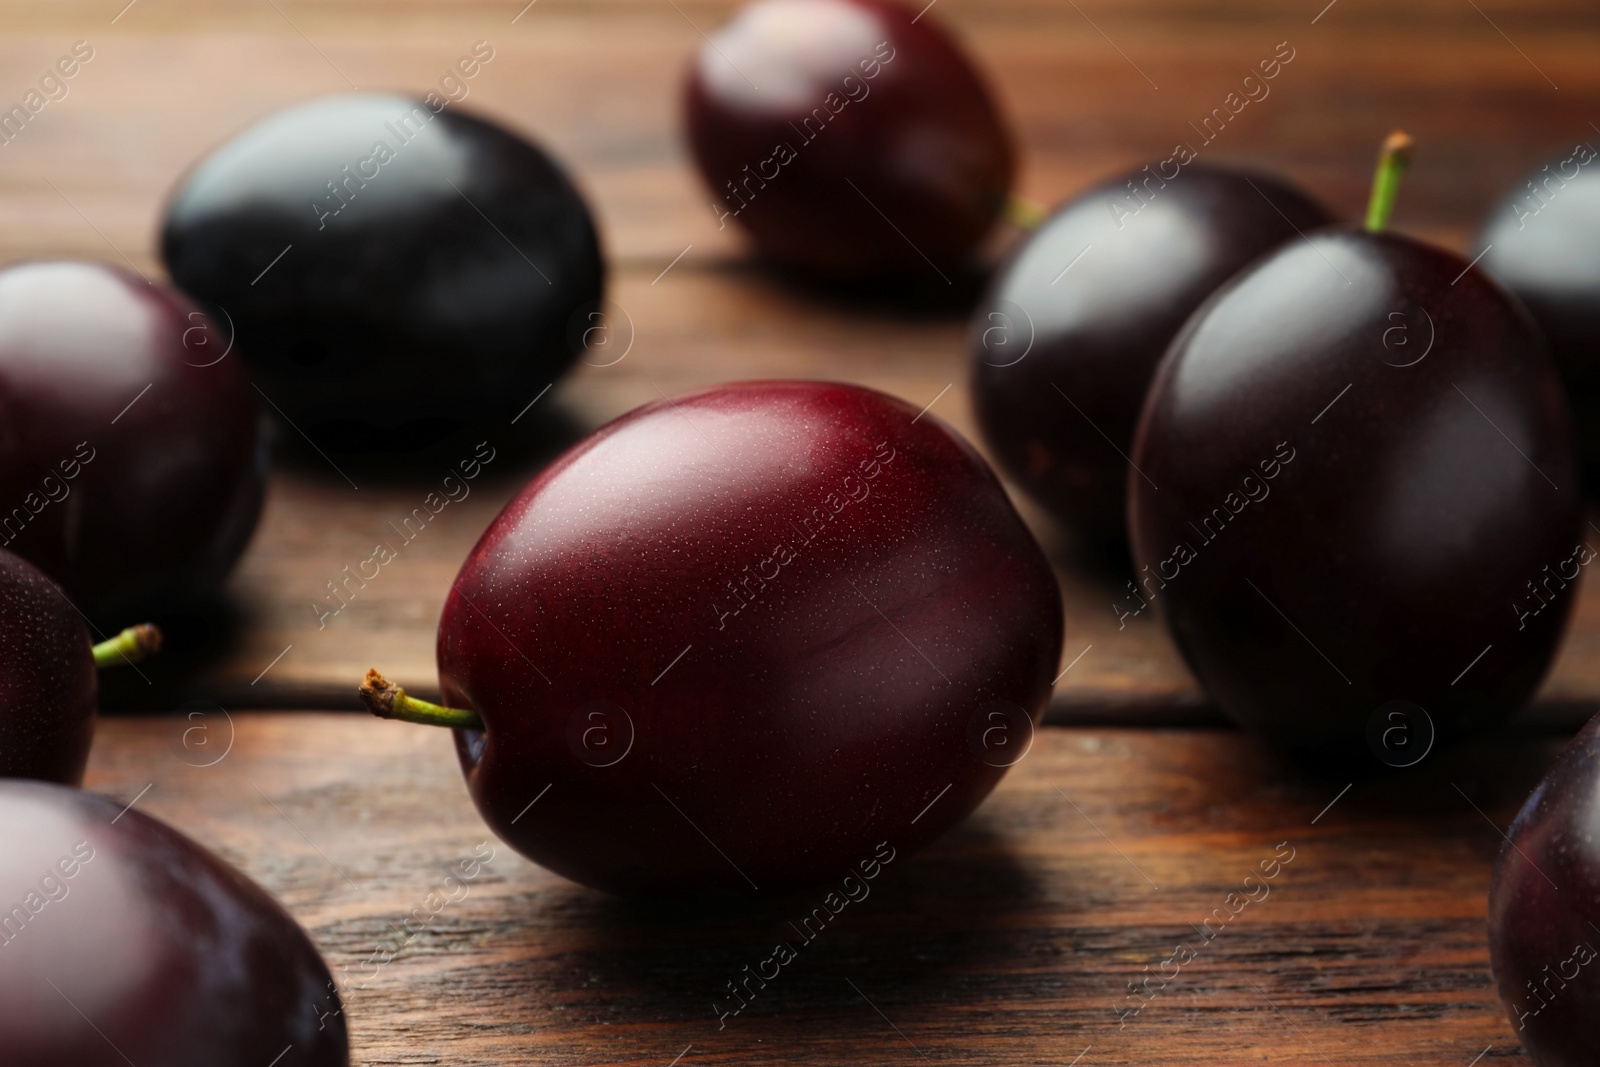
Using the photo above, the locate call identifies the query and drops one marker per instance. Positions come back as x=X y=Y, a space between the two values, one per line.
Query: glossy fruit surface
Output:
x=850 y=138
x=48 y=686
x=393 y=271
x=1543 y=243
x=744 y=637
x=1356 y=484
x=125 y=942
x=1066 y=342
x=1544 y=906
x=130 y=466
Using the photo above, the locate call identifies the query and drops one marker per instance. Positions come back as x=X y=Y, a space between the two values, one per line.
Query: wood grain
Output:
x=599 y=82
x=1010 y=941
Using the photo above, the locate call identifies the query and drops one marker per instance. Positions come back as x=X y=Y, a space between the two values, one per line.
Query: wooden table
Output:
x=1010 y=941
x=1014 y=939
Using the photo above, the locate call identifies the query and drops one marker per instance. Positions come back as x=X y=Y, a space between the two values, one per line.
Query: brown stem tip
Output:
x=1399 y=143
x=378 y=694
x=130 y=646
x=147 y=636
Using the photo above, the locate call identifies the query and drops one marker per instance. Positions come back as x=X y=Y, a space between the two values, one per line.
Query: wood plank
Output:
x=1012 y=940
x=600 y=86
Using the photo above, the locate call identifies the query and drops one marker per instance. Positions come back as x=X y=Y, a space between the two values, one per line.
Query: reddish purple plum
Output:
x=852 y=139
x=737 y=640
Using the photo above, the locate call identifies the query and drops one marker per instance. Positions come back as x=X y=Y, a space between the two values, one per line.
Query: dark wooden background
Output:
x=1013 y=939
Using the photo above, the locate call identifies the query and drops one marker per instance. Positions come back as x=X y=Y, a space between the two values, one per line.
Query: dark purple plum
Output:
x=1356 y=484
x=1068 y=338
x=131 y=468
x=122 y=941
x=1543 y=243
x=48 y=689
x=48 y=680
x=1544 y=912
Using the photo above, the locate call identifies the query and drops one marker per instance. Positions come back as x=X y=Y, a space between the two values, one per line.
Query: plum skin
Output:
x=852 y=686
x=430 y=289
x=871 y=110
x=1544 y=907
x=173 y=956
x=128 y=440
x=1428 y=480
x=1046 y=342
x=1542 y=242
x=49 y=690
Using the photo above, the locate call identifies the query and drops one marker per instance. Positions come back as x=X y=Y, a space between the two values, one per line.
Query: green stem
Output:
x=1025 y=214
x=130 y=646
x=388 y=701
x=1392 y=162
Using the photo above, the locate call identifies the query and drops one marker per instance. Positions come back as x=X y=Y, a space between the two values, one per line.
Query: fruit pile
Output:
x=1289 y=426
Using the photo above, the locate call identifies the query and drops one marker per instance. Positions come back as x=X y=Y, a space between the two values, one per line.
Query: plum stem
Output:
x=388 y=701
x=1025 y=214
x=130 y=646
x=1393 y=160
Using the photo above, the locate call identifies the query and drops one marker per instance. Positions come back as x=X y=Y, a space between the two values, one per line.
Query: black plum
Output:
x=48 y=690
x=1544 y=911
x=48 y=680
x=395 y=269
x=122 y=941
x=131 y=467
x=1066 y=342
x=1356 y=485
x=1543 y=243
x=852 y=139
